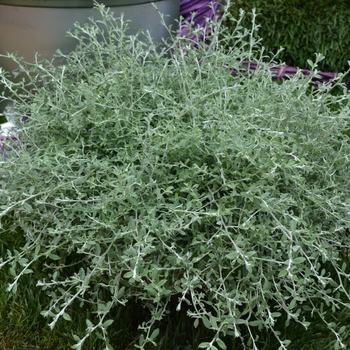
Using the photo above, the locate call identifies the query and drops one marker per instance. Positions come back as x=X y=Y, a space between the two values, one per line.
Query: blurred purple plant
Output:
x=286 y=72
x=202 y=9
x=3 y=149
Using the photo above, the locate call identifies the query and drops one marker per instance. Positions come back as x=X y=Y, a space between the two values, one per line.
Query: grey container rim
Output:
x=71 y=3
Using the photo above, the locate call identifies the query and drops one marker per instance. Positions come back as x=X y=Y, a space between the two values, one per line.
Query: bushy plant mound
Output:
x=303 y=27
x=151 y=173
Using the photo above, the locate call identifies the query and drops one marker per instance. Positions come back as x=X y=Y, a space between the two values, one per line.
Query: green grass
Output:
x=22 y=327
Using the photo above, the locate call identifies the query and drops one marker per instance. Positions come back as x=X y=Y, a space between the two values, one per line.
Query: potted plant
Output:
x=31 y=26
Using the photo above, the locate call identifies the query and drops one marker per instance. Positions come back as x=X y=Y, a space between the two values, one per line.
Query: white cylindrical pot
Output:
x=31 y=26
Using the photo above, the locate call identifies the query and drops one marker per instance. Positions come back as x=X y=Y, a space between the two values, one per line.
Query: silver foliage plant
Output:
x=152 y=173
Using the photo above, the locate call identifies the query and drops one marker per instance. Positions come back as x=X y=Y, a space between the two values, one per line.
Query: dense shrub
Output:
x=302 y=28
x=152 y=174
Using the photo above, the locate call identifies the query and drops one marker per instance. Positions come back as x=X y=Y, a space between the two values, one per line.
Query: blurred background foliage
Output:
x=302 y=28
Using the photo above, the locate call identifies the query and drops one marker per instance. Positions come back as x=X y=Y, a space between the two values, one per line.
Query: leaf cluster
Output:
x=151 y=173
